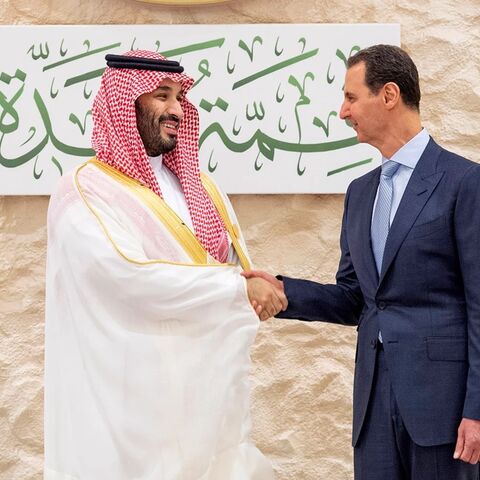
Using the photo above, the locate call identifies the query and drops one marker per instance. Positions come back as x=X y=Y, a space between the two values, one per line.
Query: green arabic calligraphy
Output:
x=258 y=111
x=349 y=166
x=32 y=131
x=274 y=68
x=268 y=145
x=61 y=50
x=250 y=48
x=81 y=125
x=41 y=53
x=88 y=53
x=302 y=100
x=230 y=69
x=219 y=102
x=8 y=111
x=251 y=112
x=195 y=47
x=325 y=127
x=204 y=69
x=278 y=52
x=49 y=136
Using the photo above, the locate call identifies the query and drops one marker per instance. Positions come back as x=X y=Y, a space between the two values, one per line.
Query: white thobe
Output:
x=146 y=350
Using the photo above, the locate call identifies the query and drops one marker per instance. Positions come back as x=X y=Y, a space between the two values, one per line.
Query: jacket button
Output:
x=382 y=305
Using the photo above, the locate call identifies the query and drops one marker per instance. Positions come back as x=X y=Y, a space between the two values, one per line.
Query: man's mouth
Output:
x=170 y=127
x=169 y=124
x=351 y=124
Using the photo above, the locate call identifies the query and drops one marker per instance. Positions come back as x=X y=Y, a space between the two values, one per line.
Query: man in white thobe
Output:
x=148 y=320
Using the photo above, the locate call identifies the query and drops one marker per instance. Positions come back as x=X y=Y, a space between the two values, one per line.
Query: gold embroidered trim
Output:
x=138 y=188
x=232 y=229
x=182 y=234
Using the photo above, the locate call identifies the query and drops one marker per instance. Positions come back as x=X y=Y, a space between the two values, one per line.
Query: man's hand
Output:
x=468 y=441
x=266 y=276
x=266 y=299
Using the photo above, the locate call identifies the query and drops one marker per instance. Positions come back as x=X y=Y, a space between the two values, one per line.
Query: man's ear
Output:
x=391 y=95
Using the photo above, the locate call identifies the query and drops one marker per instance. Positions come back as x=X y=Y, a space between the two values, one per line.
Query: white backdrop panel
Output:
x=269 y=98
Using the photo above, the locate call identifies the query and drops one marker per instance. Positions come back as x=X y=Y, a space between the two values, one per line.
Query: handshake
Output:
x=266 y=293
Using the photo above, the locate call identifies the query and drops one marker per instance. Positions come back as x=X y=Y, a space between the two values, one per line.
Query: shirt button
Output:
x=382 y=305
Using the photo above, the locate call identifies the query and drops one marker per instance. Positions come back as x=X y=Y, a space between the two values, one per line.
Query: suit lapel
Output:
x=422 y=183
x=365 y=219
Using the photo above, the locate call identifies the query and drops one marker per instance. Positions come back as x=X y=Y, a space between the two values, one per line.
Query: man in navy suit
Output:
x=409 y=279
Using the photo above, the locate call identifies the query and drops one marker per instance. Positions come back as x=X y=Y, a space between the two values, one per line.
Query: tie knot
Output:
x=389 y=168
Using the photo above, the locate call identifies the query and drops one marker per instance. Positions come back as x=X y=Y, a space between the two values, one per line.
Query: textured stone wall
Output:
x=302 y=373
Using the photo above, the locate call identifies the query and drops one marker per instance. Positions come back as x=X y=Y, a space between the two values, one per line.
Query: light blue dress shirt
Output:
x=408 y=157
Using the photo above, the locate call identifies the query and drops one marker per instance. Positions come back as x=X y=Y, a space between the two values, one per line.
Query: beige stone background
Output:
x=302 y=372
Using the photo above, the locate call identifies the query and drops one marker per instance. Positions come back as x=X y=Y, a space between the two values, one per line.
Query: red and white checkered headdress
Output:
x=117 y=142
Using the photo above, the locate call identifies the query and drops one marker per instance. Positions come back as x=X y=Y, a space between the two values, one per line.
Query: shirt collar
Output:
x=410 y=153
x=156 y=162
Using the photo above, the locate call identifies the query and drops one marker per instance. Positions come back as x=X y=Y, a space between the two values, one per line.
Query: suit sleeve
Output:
x=339 y=303
x=467 y=231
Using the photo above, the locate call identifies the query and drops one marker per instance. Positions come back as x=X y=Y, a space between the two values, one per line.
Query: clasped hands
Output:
x=265 y=293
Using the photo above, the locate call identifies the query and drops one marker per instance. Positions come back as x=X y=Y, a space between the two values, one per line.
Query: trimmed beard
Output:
x=149 y=129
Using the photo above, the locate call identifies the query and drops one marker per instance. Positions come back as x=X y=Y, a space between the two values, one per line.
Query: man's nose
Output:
x=344 y=111
x=175 y=109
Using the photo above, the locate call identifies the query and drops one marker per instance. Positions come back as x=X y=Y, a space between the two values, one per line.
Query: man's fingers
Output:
x=257 y=307
x=475 y=457
x=264 y=315
x=270 y=307
x=276 y=304
x=254 y=274
x=265 y=276
x=247 y=273
x=459 y=445
x=265 y=298
x=467 y=447
x=283 y=300
x=466 y=454
x=273 y=304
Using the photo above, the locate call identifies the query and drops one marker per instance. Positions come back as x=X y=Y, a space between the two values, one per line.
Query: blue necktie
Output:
x=383 y=208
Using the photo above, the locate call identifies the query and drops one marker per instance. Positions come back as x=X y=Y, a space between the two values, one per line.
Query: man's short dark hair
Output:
x=388 y=63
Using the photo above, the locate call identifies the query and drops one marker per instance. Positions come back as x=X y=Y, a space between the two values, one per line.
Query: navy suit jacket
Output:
x=426 y=300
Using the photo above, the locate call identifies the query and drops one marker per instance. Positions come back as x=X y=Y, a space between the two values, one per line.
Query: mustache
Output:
x=169 y=117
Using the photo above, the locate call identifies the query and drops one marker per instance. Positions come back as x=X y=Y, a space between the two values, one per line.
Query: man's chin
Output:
x=168 y=145
x=161 y=149
x=360 y=138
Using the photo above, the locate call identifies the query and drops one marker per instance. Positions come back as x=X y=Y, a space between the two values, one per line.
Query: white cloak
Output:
x=146 y=349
